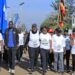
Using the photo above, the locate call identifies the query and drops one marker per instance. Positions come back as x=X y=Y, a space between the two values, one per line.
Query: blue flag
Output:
x=3 y=20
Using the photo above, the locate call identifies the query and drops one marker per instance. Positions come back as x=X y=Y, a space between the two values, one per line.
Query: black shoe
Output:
x=12 y=74
x=67 y=71
x=62 y=73
x=30 y=72
x=44 y=73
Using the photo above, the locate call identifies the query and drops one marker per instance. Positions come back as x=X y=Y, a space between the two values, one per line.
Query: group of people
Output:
x=50 y=45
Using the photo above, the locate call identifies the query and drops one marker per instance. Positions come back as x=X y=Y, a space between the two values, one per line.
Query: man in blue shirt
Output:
x=11 y=43
x=68 y=47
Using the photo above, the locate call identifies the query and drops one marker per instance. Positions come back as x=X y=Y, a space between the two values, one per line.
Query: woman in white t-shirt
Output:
x=33 y=46
x=45 y=40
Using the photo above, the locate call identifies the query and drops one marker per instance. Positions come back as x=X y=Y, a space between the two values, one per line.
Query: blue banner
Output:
x=3 y=20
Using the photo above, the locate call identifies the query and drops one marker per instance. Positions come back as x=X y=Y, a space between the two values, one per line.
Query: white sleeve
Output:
x=53 y=42
x=64 y=42
x=50 y=37
x=1 y=38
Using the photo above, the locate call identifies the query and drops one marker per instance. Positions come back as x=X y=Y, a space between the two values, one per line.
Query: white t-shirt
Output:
x=58 y=43
x=21 y=38
x=45 y=41
x=34 y=41
x=73 y=48
x=1 y=39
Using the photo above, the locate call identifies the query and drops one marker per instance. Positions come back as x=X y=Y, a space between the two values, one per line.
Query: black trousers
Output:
x=67 y=59
x=51 y=59
x=11 y=57
x=45 y=57
x=73 y=62
x=19 y=52
x=5 y=56
x=33 y=55
x=0 y=58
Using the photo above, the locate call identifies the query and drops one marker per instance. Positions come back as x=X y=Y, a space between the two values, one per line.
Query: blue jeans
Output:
x=58 y=62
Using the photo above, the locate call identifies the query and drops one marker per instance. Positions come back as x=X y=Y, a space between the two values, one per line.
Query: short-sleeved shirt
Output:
x=45 y=41
x=1 y=39
x=67 y=40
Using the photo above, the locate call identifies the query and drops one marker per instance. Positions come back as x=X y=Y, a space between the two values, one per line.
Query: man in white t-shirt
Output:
x=21 y=45
x=58 y=48
x=68 y=49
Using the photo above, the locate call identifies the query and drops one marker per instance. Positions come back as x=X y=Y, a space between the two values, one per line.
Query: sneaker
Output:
x=74 y=72
x=13 y=71
x=9 y=70
x=62 y=73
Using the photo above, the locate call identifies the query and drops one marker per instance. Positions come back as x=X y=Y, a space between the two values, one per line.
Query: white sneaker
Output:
x=9 y=70
x=73 y=74
x=12 y=71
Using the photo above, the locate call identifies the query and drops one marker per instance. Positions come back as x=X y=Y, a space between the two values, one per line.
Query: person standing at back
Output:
x=68 y=49
x=21 y=44
x=73 y=51
x=11 y=43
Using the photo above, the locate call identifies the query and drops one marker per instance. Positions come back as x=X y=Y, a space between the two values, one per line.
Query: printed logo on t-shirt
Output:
x=35 y=43
x=44 y=42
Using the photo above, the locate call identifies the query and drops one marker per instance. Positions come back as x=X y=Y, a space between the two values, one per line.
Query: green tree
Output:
x=55 y=4
x=51 y=21
x=70 y=9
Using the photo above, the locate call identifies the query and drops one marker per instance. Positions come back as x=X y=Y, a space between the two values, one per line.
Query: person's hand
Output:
x=6 y=48
x=51 y=50
x=2 y=51
x=17 y=46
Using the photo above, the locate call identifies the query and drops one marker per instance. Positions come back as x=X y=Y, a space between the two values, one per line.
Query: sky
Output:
x=33 y=11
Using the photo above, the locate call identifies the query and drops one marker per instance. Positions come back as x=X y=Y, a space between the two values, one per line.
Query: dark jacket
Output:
x=15 y=36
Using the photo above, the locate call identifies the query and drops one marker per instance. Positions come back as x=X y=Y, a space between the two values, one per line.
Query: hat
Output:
x=34 y=25
x=51 y=30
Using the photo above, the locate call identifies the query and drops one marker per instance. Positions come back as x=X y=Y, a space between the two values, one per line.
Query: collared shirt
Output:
x=67 y=40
